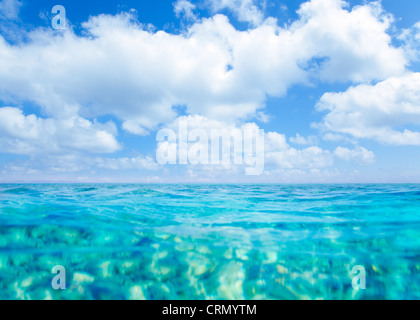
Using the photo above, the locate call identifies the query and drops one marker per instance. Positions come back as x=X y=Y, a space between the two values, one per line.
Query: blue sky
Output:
x=335 y=86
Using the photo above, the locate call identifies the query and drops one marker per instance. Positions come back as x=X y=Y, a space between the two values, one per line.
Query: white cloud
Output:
x=281 y=160
x=139 y=162
x=376 y=111
x=9 y=9
x=31 y=135
x=347 y=44
x=77 y=167
x=310 y=140
x=411 y=40
x=121 y=68
x=184 y=8
x=359 y=154
x=308 y=158
x=245 y=10
x=277 y=152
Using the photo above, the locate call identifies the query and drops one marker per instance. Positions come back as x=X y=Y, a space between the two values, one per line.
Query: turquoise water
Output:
x=210 y=241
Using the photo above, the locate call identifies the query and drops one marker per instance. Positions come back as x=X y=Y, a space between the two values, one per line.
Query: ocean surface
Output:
x=119 y=241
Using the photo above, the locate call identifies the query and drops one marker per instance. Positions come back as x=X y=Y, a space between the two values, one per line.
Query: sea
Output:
x=199 y=241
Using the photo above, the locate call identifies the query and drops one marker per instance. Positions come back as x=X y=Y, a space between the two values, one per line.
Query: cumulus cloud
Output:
x=411 y=42
x=245 y=10
x=347 y=44
x=81 y=167
x=308 y=158
x=310 y=140
x=139 y=162
x=119 y=67
x=185 y=8
x=282 y=156
x=278 y=154
x=29 y=135
x=141 y=77
x=376 y=111
x=359 y=154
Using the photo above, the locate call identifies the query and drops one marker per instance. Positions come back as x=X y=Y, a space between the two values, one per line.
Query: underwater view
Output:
x=126 y=241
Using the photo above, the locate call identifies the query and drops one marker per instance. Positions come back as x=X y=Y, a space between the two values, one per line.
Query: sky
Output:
x=333 y=86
